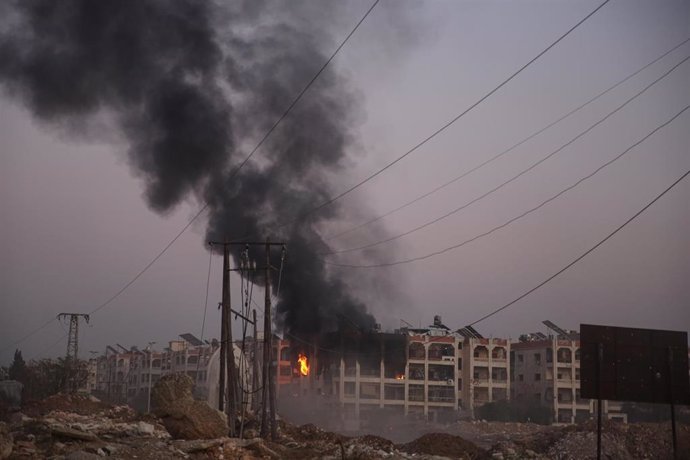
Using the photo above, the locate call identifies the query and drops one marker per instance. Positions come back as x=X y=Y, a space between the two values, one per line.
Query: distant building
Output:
x=125 y=377
x=546 y=370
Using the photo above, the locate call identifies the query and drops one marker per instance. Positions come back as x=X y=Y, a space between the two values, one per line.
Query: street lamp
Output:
x=148 y=399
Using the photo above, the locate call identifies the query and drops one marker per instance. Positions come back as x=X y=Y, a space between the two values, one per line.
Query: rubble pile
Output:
x=182 y=415
x=619 y=441
x=93 y=430
x=76 y=403
x=444 y=445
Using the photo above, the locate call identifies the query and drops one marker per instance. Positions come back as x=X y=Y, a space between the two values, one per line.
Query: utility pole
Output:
x=150 y=380
x=231 y=409
x=268 y=377
x=72 y=348
x=255 y=365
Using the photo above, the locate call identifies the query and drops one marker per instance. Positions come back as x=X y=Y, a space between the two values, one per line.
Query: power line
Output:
x=232 y=175
x=508 y=150
x=520 y=216
x=304 y=90
x=582 y=256
x=35 y=331
x=446 y=125
x=515 y=177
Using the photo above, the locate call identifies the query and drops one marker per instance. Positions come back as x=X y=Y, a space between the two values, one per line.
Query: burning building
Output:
x=428 y=373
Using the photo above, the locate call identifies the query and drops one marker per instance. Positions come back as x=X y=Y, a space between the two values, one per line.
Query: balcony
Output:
x=441 y=394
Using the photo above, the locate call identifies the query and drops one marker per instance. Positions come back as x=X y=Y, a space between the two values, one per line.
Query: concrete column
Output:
x=357 y=384
x=426 y=377
x=407 y=387
x=341 y=382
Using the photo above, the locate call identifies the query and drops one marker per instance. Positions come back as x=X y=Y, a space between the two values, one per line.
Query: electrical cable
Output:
x=445 y=126
x=52 y=345
x=232 y=175
x=508 y=150
x=583 y=255
x=518 y=217
x=35 y=331
x=515 y=177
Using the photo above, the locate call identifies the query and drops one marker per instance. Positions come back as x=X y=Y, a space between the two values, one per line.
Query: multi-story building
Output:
x=546 y=370
x=485 y=371
x=91 y=376
x=431 y=373
x=127 y=376
x=112 y=375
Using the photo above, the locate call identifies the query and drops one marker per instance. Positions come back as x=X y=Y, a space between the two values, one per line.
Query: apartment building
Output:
x=546 y=370
x=428 y=373
x=126 y=376
x=485 y=371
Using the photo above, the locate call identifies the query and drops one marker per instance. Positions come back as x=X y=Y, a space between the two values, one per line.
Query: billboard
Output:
x=643 y=365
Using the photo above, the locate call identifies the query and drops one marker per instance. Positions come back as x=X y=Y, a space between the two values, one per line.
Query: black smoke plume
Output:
x=190 y=85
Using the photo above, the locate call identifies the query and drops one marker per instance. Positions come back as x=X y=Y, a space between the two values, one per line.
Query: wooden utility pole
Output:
x=227 y=359
x=231 y=408
x=223 y=345
x=266 y=401
x=255 y=365
x=271 y=370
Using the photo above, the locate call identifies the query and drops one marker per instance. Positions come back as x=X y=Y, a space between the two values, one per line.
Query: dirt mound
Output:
x=309 y=433
x=619 y=441
x=75 y=403
x=444 y=444
x=376 y=442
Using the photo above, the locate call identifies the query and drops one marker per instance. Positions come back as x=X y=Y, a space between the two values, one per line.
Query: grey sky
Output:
x=75 y=227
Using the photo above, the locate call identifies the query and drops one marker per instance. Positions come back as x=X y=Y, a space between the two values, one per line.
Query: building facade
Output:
x=547 y=372
x=431 y=374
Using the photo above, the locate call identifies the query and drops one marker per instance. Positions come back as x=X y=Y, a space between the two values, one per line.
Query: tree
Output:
x=18 y=367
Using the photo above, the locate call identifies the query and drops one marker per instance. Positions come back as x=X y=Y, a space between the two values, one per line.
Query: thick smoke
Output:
x=188 y=84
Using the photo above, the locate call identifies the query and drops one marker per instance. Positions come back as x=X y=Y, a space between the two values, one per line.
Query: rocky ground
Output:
x=74 y=427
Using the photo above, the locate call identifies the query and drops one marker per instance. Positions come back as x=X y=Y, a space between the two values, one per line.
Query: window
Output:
x=577 y=373
x=537 y=358
x=416 y=350
x=521 y=358
x=521 y=378
x=350 y=388
x=537 y=377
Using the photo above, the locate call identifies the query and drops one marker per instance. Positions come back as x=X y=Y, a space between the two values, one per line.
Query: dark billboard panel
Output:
x=636 y=364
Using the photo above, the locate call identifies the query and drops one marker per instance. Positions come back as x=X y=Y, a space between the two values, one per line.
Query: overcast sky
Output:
x=75 y=227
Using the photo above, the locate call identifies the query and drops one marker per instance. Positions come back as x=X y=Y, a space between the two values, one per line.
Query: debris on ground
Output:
x=619 y=441
x=183 y=416
x=444 y=444
x=91 y=429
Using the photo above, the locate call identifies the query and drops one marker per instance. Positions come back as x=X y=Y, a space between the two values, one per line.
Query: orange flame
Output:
x=303 y=364
x=400 y=376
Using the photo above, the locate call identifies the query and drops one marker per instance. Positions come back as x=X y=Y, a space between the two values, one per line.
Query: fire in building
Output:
x=355 y=380
x=431 y=373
